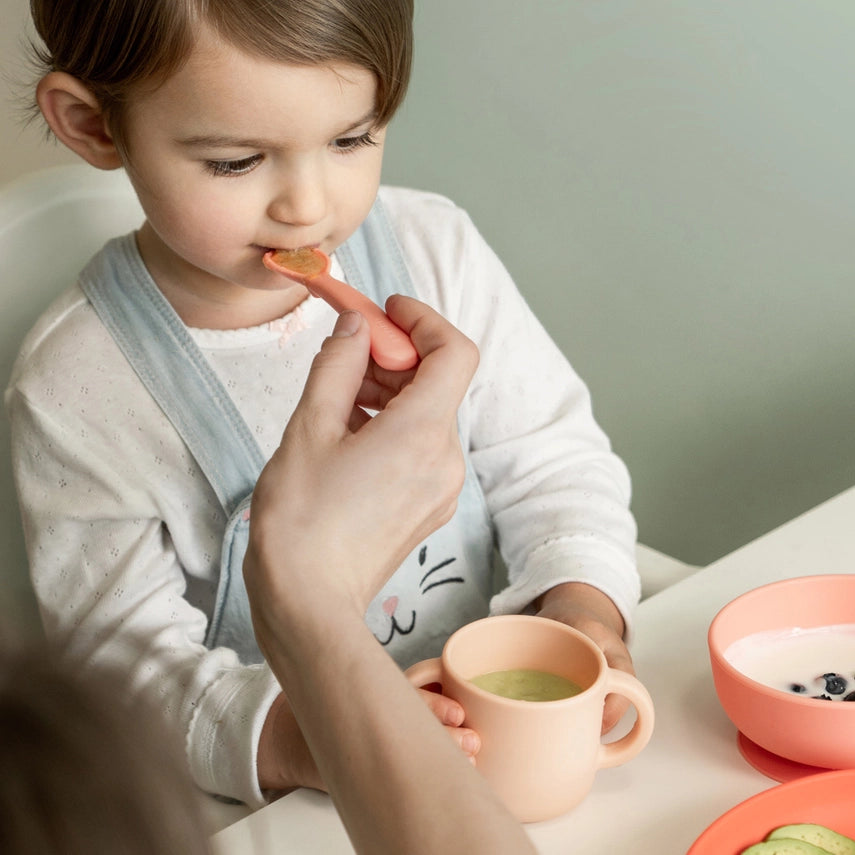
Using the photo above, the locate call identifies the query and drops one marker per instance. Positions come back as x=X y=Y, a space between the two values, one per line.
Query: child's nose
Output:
x=301 y=199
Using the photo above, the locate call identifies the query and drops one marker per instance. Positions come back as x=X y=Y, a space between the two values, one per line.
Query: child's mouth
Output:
x=287 y=250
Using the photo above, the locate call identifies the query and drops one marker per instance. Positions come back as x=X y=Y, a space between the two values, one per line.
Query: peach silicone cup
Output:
x=390 y=346
x=800 y=729
x=539 y=757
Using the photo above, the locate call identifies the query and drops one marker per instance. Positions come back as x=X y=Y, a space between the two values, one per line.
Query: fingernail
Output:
x=454 y=716
x=471 y=744
x=347 y=324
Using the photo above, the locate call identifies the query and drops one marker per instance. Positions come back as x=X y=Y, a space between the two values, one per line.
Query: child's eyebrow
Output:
x=221 y=141
x=229 y=141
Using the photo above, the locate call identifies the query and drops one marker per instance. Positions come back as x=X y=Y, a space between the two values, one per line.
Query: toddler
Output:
x=149 y=396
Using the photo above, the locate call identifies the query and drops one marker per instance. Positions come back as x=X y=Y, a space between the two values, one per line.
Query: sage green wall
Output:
x=672 y=186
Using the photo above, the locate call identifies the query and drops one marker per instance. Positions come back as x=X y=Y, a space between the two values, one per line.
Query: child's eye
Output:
x=233 y=167
x=345 y=144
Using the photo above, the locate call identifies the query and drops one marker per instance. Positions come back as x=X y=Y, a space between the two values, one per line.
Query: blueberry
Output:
x=834 y=683
x=798 y=688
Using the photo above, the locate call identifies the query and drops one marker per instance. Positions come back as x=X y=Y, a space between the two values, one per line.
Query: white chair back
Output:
x=51 y=223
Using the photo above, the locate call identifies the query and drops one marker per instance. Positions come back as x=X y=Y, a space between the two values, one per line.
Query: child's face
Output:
x=235 y=154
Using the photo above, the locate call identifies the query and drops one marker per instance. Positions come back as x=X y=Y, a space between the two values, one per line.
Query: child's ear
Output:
x=75 y=116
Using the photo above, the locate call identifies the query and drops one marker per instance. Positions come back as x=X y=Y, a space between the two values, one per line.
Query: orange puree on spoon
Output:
x=390 y=346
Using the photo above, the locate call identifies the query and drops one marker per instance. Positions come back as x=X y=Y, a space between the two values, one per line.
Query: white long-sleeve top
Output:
x=123 y=531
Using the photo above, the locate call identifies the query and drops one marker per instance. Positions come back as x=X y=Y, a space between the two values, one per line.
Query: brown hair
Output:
x=114 y=46
x=84 y=770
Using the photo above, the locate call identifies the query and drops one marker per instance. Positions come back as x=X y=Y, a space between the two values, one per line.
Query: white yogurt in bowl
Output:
x=814 y=662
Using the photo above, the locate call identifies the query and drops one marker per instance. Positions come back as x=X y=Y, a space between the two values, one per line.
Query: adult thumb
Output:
x=337 y=372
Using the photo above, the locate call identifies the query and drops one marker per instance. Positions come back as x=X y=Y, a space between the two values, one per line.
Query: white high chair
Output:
x=51 y=223
x=658 y=570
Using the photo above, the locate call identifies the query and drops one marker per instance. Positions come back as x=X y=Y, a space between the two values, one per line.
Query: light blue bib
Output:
x=443 y=584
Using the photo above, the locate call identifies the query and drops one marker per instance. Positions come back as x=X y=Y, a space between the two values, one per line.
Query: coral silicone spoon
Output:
x=390 y=346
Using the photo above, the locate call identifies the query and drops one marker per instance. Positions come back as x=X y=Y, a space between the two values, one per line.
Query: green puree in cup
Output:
x=525 y=684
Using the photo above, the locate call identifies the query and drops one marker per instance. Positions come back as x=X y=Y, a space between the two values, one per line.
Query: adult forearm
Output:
x=319 y=552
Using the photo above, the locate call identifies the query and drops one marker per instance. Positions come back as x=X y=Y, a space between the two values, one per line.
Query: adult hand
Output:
x=347 y=497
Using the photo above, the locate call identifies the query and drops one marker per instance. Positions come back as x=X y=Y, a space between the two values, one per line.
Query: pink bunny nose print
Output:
x=389 y=605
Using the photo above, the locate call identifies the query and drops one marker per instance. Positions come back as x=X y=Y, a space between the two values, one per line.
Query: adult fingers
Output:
x=358 y=418
x=448 y=357
x=336 y=376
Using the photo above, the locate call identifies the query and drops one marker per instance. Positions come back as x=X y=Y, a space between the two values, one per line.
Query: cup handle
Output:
x=424 y=673
x=625 y=748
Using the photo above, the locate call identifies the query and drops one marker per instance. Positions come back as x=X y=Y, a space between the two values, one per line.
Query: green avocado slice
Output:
x=818 y=835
